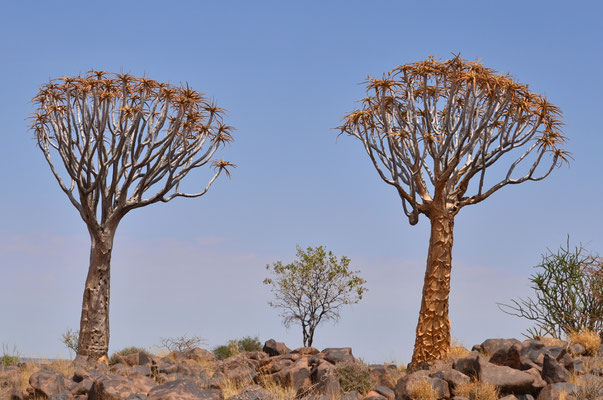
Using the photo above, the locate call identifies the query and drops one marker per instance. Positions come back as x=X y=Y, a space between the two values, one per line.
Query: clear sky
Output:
x=287 y=72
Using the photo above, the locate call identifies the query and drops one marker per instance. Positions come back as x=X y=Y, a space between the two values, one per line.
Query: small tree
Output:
x=313 y=289
x=569 y=294
x=433 y=130
x=124 y=143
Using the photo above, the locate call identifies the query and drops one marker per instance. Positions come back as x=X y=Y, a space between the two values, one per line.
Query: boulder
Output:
x=452 y=376
x=386 y=392
x=384 y=374
x=116 y=387
x=297 y=376
x=507 y=379
x=337 y=355
x=82 y=387
x=372 y=395
x=274 y=348
x=509 y=397
x=62 y=396
x=577 y=349
x=353 y=395
x=405 y=385
x=239 y=369
x=138 y=358
x=558 y=391
x=306 y=351
x=254 y=392
x=195 y=354
x=491 y=346
x=9 y=376
x=49 y=383
x=183 y=389
x=325 y=380
x=553 y=372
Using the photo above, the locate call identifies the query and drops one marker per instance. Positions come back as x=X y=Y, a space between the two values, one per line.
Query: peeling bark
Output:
x=433 y=329
x=94 y=323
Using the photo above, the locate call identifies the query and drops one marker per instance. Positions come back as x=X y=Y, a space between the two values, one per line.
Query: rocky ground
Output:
x=496 y=369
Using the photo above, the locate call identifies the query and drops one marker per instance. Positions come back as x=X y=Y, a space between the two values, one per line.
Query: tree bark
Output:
x=94 y=323
x=433 y=329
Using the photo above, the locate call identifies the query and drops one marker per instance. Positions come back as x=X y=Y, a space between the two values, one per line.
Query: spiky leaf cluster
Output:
x=434 y=124
x=119 y=135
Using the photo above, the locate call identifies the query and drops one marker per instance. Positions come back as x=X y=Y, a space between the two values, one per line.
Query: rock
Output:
x=138 y=358
x=18 y=394
x=386 y=392
x=238 y=369
x=274 y=348
x=453 y=377
x=507 y=379
x=577 y=367
x=577 y=349
x=254 y=392
x=525 y=397
x=183 y=389
x=49 y=383
x=384 y=374
x=491 y=346
x=372 y=395
x=306 y=351
x=538 y=383
x=255 y=355
x=62 y=396
x=510 y=357
x=276 y=364
x=165 y=365
x=82 y=387
x=297 y=376
x=509 y=397
x=337 y=355
x=557 y=391
x=325 y=379
x=353 y=395
x=116 y=387
x=405 y=385
x=553 y=372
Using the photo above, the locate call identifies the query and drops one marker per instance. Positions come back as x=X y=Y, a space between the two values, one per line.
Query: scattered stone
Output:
x=373 y=395
x=353 y=395
x=453 y=377
x=558 y=391
x=577 y=349
x=254 y=392
x=306 y=351
x=385 y=392
x=49 y=383
x=117 y=387
x=183 y=389
x=274 y=348
x=384 y=374
x=491 y=346
x=138 y=358
x=553 y=372
x=405 y=385
x=337 y=355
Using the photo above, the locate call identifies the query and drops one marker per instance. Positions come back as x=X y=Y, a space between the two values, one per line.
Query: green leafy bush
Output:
x=354 y=375
x=569 y=294
x=9 y=358
x=115 y=357
x=236 y=346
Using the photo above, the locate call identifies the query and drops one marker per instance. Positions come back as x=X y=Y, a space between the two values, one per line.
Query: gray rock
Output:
x=553 y=372
x=491 y=346
x=577 y=349
x=372 y=395
x=386 y=392
x=138 y=358
x=554 y=391
x=509 y=397
x=274 y=348
x=384 y=374
x=254 y=392
x=353 y=395
x=117 y=387
x=405 y=384
x=452 y=376
x=49 y=383
x=183 y=389
x=337 y=355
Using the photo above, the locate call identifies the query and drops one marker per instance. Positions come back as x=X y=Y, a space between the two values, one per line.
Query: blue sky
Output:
x=287 y=72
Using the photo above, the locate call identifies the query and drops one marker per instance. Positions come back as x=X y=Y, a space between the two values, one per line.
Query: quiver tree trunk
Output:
x=94 y=323
x=433 y=329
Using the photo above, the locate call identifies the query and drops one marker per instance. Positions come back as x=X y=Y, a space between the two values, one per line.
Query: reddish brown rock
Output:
x=183 y=390
x=274 y=348
x=49 y=383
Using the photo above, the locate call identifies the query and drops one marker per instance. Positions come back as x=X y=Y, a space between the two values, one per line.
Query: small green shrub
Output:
x=354 y=375
x=569 y=294
x=236 y=346
x=9 y=358
x=115 y=357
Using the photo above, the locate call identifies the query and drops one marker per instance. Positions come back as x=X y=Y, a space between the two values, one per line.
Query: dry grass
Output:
x=277 y=391
x=231 y=387
x=589 y=387
x=589 y=339
x=477 y=390
x=27 y=369
x=423 y=390
x=457 y=350
x=551 y=341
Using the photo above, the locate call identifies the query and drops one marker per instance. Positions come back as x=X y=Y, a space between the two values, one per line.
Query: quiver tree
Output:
x=124 y=143
x=432 y=130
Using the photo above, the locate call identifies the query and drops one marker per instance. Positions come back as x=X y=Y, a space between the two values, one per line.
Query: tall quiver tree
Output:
x=432 y=130
x=124 y=143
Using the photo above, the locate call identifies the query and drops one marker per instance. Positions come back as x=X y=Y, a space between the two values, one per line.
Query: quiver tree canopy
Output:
x=441 y=124
x=123 y=142
x=434 y=131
